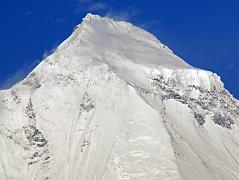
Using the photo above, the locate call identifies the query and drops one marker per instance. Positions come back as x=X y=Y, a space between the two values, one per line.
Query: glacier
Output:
x=114 y=103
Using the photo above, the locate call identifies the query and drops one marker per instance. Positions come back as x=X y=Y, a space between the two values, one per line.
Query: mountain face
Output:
x=114 y=103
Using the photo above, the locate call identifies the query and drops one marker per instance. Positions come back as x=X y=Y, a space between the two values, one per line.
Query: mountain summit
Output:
x=113 y=103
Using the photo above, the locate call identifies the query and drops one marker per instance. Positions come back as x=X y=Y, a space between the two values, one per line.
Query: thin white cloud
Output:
x=108 y=9
x=13 y=79
x=84 y=1
x=59 y=20
x=18 y=76
x=48 y=53
x=97 y=7
x=124 y=14
x=90 y=6
x=54 y=20
x=24 y=71
x=29 y=13
x=149 y=24
x=231 y=66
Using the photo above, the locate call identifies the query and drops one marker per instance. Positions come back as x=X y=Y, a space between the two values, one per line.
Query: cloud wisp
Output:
x=106 y=9
x=19 y=75
x=29 y=13
x=90 y=6
x=232 y=67
x=23 y=72
x=123 y=15
x=97 y=7
x=48 y=53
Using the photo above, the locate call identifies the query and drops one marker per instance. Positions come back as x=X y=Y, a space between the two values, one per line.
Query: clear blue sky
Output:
x=205 y=33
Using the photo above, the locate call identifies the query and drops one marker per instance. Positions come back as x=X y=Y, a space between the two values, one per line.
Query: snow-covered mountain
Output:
x=114 y=103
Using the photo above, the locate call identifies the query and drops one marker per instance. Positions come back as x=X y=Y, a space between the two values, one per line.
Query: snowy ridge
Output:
x=114 y=103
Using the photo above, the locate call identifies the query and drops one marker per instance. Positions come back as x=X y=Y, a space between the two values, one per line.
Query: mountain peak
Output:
x=113 y=103
x=107 y=35
x=90 y=17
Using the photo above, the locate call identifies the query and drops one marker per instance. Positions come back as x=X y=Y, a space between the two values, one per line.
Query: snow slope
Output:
x=114 y=103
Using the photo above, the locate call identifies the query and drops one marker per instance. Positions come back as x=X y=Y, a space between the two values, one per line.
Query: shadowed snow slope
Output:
x=114 y=103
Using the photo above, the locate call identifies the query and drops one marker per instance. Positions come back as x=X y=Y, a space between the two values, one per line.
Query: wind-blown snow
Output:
x=114 y=103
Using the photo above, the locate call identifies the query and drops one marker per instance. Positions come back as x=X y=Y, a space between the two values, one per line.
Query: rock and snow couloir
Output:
x=114 y=103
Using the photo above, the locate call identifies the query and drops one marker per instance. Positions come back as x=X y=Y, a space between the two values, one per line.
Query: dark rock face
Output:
x=223 y=120
x=87 y=106
x=200 y=119
x=15 y=96
x=34 y=136
x=29 y=138
x=87 y=103
x=216 y=101
x=37 y=144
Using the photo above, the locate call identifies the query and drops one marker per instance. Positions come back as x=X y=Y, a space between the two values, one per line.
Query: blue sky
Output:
x=205 y=33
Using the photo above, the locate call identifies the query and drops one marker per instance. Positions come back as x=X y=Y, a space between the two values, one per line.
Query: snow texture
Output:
x=114 y=103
